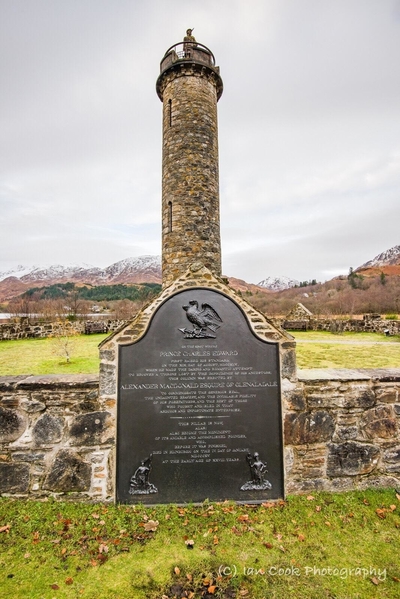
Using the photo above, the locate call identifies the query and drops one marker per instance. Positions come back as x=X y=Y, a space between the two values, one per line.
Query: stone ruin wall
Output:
x=337 y=325
x=12 y=331
x=57 y=435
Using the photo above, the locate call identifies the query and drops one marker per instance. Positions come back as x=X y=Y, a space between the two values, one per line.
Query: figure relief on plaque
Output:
x=204 y=320
x=139 y=483
x=258 y=470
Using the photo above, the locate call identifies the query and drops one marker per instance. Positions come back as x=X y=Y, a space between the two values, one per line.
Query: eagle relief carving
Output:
x=204 y=320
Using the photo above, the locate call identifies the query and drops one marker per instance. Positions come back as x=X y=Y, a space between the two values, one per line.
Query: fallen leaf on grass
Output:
x=301 y=537
x=268 y=545
x=69 y=580
x=268 y=504
x=177 y=570
x=392 y=507
x=395 y=579
x=27 y=555
x=5 y=528
x=55 y=587
x=381 y=513
x=211 y=589
x=310 y=498
x=96 y=516
x=375 y=581
x=243 y=518
x=101 y=558
x=215 y=541
x=151 y=525
x=103 y=548
x=318 y=508
x=282 y=548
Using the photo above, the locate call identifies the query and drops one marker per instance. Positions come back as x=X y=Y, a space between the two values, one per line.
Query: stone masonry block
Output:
x=12 y=425
x=68 y=473
x=380 y=422
x=351 y=459
x=94 y=428
x=308 y=427
x=48 y=429
x=14 y=478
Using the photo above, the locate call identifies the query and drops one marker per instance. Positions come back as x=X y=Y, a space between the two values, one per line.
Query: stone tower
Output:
x=189 y=86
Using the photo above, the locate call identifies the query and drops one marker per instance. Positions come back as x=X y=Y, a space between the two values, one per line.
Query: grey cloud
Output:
x=309 y=130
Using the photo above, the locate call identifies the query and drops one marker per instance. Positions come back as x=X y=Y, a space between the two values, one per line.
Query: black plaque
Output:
x=199 y=412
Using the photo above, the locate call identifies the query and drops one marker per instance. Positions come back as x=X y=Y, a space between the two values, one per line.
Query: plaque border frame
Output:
x=280 y=407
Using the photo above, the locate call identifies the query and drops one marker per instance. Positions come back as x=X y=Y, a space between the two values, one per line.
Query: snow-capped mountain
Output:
x=389 y=258
x=148 y=268
x=277 y=283
x=143 y=269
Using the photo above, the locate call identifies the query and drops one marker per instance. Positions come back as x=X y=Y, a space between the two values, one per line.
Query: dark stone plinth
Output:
x=48 y=429
x=12 y=425
x=14 y=478
x=91 y=429
x=199 y=412
x=351 y=459
x=68 y=473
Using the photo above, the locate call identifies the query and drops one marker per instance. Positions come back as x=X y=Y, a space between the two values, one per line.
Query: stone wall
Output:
x=41 y=330
x=337 y=325
x=56 y=438
x=341 y=432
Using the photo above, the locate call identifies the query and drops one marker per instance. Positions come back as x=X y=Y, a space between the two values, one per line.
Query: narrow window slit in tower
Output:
x=170 y=112
x=169 y=217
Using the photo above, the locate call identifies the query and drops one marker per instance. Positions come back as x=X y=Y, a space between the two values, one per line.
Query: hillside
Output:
x=373 y=286
x=387 y=262
x=143 y=269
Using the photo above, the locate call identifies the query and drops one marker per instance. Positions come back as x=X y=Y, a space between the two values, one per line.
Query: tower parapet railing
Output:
x=188 y=51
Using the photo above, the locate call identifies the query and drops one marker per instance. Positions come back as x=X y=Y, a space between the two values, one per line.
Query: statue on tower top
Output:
x=189 y=37
x=189 y=42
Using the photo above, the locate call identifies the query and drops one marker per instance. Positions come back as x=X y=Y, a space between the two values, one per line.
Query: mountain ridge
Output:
x=147 y=269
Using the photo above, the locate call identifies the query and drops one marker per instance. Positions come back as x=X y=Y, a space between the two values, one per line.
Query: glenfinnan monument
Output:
x=189 y=87
x=194 y=381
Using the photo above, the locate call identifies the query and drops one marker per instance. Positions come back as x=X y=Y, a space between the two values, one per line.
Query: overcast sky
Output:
x=309 y=130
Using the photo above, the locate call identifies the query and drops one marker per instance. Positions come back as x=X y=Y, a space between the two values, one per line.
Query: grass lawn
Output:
x=320 y=349
x=338 y=546
x=315 y=349
x=40 y=356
